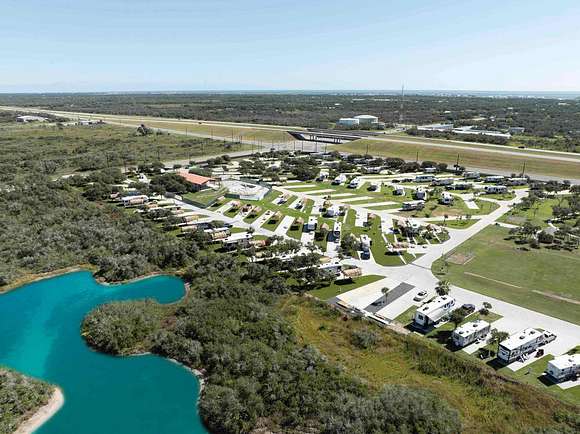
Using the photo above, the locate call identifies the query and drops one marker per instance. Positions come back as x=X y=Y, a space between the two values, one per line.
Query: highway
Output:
x=131 y=121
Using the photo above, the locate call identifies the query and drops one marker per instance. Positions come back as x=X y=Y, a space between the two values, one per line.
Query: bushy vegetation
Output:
x=20 y=397
x=49 y=225
x=258 y=374
x=57 y=149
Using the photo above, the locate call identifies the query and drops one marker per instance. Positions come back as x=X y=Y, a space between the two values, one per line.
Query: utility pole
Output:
x=524 y=169
x=367 y=148
x=417 y=157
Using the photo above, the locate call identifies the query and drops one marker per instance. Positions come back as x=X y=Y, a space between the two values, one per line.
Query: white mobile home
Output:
x=470 y=332
x=340 y=179
x=564 y=367
x=432 y=312
x=424 y=178
x=522 y=343
x=495 y=189
x=413 y=205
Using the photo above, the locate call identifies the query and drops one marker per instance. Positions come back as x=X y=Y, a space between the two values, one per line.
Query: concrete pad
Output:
x=361 y=218
x=357 y=198
x=284 y=225
x=569 y=384
x=365 y=295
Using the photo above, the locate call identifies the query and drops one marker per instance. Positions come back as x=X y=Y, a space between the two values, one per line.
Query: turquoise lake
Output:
x=40 y=336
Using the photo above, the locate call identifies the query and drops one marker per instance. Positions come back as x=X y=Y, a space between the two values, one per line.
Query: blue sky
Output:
x=107 y=45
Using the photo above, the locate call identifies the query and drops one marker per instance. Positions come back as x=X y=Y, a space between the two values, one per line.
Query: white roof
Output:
x=239 y=236
x=140 y=196
x=471 y=327
x=565 y=361
x=521 y=338
x=337 y=226
x=434 y=305
x=365 y=117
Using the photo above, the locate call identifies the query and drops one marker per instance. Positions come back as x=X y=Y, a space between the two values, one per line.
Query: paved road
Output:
x=310 y=146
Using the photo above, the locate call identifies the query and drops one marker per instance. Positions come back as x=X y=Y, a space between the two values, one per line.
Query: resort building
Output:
x=470 y=332
x=199 y=182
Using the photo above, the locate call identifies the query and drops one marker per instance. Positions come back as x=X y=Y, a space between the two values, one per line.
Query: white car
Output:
x=421 y=295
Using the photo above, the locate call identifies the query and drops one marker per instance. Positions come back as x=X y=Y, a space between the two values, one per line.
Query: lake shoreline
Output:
x=43 y=414
x=37 y=277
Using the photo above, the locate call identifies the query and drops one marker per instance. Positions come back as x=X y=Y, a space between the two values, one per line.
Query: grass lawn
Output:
x=407 y=316
x=458 y=224
x=487 y=403
x=533 y=374
x=538 y=214
x=479 y=158
x=442 y=334
x=532 y=279
x=459 y=208
x=337 y=288
x=204 y=198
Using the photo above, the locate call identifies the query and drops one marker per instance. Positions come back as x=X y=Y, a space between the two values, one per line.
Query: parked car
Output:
x=468 y=308
x=421 y=295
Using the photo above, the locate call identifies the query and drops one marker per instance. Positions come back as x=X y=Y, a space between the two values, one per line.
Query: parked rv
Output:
x=434 y=311
x=470 y=332
x=520 y=344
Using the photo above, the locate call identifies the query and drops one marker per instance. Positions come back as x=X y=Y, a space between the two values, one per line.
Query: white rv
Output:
x=432 y=312
x=516 y=181
x=495 y=189
x=522 y=343
x=424 y=178
x=354 y=183
x=399 y=191
x=413 y=205
x=135 y=200
x=471 y=175
x=564 y=367
x=470 y=332
x=336 y=230
x=446 y=198
x=442 y=181
x=340 y=179
x=421 y=193
x=494 y=178
x=312 y=223
x=332 y=211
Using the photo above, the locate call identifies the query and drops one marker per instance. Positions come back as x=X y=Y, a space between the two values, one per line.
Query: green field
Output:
x=537 y=215
x=487 y=402
x=480 y=158
x=533 y=279
x=340 y=287
x=205 y=198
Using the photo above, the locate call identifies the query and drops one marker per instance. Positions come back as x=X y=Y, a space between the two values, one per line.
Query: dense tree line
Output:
x=257 y=373
x=541 y=117
x=49 y=225
x=20 y=397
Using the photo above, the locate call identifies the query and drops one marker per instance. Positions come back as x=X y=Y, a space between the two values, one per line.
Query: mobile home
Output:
x=471 y=175
x=470 y=332
x=399 y=190
x=518 y=345
x=354 y=183
x=516 y=181
x=564 y=367
x=442 y=181
x=432 y=312
x=340 y=179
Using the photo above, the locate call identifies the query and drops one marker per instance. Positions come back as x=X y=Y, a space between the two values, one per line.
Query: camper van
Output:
x=354 y=183
x=446 y=198
x=336 y=230
x=312 y=223
x=564 y=367
x=442 y=181
x=365 y=246
x=340 y=179
x=399 y=190
x=494 y=178
x=420 y=193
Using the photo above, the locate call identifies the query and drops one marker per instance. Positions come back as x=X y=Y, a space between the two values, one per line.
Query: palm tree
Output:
x=385 y=292
x=497 y=337
x=442 y=287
